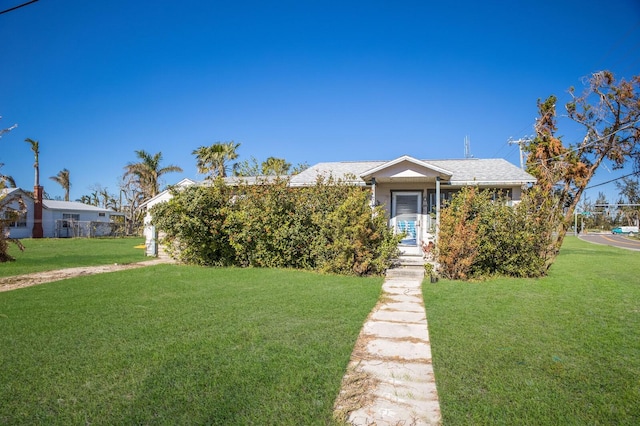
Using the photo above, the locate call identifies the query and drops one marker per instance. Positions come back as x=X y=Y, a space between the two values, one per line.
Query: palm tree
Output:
x=213 y=160
x=148 y=171
x=35 y=147
x=85 y=199
x=275 y=166
x=62 y=178
x=37 y=231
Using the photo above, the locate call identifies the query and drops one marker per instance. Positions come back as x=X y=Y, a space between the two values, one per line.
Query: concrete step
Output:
x=411 y=260
x=410 y=272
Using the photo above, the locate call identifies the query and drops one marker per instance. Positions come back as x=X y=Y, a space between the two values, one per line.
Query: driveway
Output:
x=619 y=241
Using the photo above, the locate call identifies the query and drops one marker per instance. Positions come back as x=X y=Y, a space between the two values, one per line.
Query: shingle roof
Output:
x=63 y=205
x=494 y=170
x=73 y=205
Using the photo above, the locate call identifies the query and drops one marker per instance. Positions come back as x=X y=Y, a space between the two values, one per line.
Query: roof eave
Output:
x=491 y=183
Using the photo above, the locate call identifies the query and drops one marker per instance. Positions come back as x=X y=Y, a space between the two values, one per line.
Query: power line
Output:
x=17 y=7
x=612 y=180
x=619 y=42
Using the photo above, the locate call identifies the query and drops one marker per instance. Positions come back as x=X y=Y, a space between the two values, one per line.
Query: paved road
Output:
x=620 y=241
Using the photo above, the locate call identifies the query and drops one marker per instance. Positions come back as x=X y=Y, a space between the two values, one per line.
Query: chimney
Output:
x=37 y=212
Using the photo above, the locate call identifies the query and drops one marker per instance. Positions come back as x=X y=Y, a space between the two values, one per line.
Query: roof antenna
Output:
x=467 y=147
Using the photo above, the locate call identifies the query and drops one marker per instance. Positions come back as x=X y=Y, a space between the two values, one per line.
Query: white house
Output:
x=411 y=190
x=61 y=219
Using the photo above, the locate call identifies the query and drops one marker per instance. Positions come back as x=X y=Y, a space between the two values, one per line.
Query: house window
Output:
x=447 y=194
x=445 y=198
x=16 y=219
x=503 y=193
x=101 y=214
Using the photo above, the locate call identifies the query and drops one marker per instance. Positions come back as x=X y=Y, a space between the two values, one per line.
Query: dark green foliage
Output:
x=482 y=235
x=193 y=224
x=328 y=227
x=352 y=239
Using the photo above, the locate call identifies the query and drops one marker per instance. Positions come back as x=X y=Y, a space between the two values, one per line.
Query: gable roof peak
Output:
x=406 y=158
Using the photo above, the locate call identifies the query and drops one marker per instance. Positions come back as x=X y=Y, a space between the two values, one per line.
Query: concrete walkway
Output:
x=390 y=378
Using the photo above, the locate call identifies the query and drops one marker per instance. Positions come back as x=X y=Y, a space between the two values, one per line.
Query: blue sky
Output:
x=309 y=81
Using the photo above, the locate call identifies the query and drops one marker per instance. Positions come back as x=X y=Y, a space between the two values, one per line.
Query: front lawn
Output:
x=564 y=349
x=180 y=345
x=48 y=254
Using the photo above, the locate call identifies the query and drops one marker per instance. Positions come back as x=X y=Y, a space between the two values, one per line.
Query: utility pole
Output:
x=520 y=142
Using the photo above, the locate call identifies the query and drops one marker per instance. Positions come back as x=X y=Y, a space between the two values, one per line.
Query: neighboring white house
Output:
x=150 y=233
x=61 y=219
x=411 y=190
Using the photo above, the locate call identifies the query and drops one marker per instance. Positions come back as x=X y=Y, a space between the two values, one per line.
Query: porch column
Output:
x=373 y=192
x=437 y=209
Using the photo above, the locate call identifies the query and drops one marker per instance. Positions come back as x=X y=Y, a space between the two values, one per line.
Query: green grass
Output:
x=564 y=349
x=180 y=345
x=57 y=253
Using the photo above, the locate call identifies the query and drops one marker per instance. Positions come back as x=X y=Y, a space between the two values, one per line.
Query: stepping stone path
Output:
x=390 y=378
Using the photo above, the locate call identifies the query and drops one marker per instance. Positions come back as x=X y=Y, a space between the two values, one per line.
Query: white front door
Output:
x=406 y=211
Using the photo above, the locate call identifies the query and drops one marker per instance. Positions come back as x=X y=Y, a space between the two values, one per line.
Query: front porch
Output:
x=410 y=192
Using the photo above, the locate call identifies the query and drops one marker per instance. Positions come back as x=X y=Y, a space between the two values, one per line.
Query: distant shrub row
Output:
x=329 y=227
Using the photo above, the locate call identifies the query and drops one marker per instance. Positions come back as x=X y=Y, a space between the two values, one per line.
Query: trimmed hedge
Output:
x=328 y=227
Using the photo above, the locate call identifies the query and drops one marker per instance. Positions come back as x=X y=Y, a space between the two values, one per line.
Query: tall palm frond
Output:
x=148 y=172
x=35 y=147
x=63 y=179
x=213 y=160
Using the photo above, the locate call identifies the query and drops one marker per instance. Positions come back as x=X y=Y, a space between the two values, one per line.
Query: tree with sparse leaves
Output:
x=609 y=112
x=629 y=190
x=12 y=208
x=7 y=181
x=272 y=166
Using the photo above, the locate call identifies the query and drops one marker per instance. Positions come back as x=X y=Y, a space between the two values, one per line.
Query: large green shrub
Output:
x=192 y=233
x=458 y=237
x=482 y=235
x=352 y=238
x=328 y=227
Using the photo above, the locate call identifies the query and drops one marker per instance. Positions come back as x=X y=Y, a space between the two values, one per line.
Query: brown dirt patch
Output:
x=27 y=280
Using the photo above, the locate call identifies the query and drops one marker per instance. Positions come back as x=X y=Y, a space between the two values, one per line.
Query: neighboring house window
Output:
x=17 y=220
x=101 y=214
x=67 y=217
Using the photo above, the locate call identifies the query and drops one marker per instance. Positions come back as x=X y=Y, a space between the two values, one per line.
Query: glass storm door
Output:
x=406 y=216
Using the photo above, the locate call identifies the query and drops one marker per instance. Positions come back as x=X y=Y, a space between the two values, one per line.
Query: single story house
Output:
x=411 y=190
x=61 y=219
